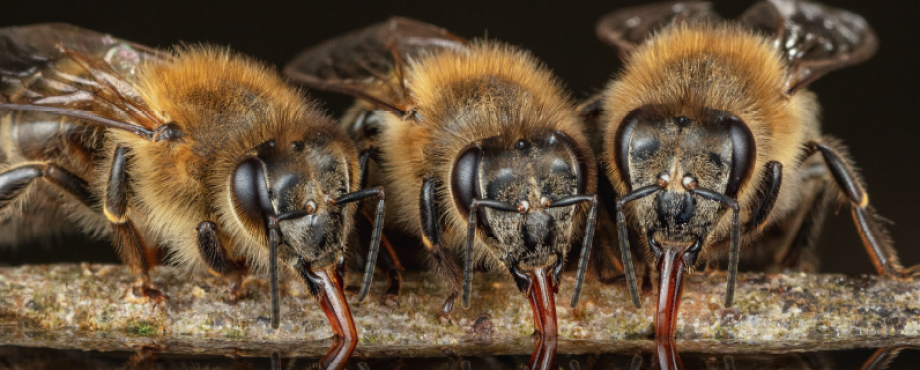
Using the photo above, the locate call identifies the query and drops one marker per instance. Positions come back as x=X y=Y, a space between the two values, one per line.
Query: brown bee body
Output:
x=203 y=152
x=481 y=148
x=708 y=136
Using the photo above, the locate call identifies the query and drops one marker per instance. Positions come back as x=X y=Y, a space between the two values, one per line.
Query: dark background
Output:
x=872 y=107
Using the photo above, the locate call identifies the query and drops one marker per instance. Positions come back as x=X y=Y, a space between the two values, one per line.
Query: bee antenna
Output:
x=375 y=235
x=274 y=238
x=734 y=252
x=468 y=255
x=624 y=237
x=470 y=237
x=276 y=361
x=589 y=237
x=585 y=250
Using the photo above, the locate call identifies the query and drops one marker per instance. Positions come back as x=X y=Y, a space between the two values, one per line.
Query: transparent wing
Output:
x=814 y=38
x=628 y=28
x=63 y=69
x=369 y=63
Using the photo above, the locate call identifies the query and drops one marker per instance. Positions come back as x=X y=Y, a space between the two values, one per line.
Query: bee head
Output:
x=684 y=154
x=300 y=177
x=524 y=177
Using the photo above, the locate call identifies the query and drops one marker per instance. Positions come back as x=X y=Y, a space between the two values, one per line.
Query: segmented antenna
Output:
x=585 y=250
x=734 y=254
x=470 y=239
x=624 y=237
x=375 y=235
x=274 y=240
x=374 y=248
x=468 y=255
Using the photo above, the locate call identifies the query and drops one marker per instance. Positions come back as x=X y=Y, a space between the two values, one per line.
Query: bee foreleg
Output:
x=874 y=236
x=127 y=240
x=434 y=241
x=773 y=178
x=215 y=256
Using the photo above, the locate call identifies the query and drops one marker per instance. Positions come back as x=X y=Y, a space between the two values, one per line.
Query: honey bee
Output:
x=471 y=135
x=709 y=140
x=205 y=152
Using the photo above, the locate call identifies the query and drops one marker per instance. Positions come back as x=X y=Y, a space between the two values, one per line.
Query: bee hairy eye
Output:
x=744 y=151
x=464 y=179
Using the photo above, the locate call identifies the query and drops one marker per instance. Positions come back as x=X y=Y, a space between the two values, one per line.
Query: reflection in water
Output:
x=338 y=354
x=544 y=353
x=668 y=358
x=21 y=358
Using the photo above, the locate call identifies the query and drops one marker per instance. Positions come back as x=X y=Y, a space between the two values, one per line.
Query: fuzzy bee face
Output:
x=529 y=173
x=710 y=149
x=303 y=175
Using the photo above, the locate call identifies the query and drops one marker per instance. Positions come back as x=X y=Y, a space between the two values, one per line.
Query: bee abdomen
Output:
x=27 y=136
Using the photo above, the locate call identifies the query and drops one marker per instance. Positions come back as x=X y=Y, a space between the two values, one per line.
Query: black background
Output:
x=872 y=107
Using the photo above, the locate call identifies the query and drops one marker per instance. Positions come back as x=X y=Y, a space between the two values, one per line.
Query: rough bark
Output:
x=90 y=306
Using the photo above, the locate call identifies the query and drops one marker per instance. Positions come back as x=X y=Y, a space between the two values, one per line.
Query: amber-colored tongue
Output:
x=332 y=299
x=543 y=302
x=670 y=290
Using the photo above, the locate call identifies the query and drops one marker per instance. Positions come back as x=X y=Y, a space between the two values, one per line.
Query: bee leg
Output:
x=799 y=256
x=434 y=241
x=646 y=284
x=712 y=266
x=219 y=262
x=15 y=180
x=393 y=267
x=883 y=357
x=773 y=179
x=127 y=240
x=874 y=236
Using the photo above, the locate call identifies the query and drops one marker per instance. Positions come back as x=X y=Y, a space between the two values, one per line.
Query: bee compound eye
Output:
x=310 y=207
x=464 y=178
x=523 y=206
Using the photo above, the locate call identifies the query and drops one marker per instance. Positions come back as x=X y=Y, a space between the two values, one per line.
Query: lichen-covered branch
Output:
x=79 y=306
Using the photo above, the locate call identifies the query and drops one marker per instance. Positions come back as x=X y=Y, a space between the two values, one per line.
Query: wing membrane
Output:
x=814 y=38
x=70 y=71
x=628 y=28
x=369 y=63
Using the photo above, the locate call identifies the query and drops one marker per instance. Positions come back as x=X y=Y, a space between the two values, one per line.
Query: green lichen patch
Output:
x=142 y=327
